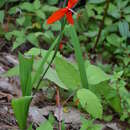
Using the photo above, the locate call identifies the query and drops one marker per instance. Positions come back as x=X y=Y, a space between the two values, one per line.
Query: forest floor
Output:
x=41 y=106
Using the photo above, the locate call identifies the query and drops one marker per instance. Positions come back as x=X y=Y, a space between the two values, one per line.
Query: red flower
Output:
x=61 y=12
x=61 y=46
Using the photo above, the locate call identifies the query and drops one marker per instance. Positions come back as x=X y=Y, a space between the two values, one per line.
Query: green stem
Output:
x=54 y=55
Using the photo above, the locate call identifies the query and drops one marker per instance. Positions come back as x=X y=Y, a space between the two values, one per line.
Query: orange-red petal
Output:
x=72 y=3
x=69 y=17
x=57 y=15
x=61 y=46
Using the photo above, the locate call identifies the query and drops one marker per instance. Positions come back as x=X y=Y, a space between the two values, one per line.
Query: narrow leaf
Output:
x=1 y=16
x=25 y=70
x=41 y=66
x=79 y=57
x=20 y=108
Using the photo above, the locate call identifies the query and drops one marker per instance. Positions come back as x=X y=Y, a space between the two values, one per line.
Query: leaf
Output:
x=20 y=108
x=52 y=2
x=27 y=6
x=20 y=20
x=45 y=126
x=32 y=39
x=40 y=14
x=36 y=4
x=48 y=36
x=114 y=11
x=110 y=95
x=67 y=73
x=96 y=75
x=89 y=125
x=41 y=66
x=124 y=28
x=53 y=77
x=96 y=1
x=25 y=70
x=12 y=72
x=114 y=40
x=90 y=103
x=20 y=37
x=2 y=2
x=79 y=57
x=115 y=104
x=48 y=8
x=19 y=41
x=30 y=127
x=1 y=16
x=127 y=10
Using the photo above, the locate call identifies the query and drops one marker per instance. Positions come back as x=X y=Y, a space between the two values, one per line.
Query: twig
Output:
x=59 y=108
x=68 y=98
x=101 y=25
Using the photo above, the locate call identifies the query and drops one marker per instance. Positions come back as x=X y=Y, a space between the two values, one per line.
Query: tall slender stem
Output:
x=54 y=55
x=101 y=25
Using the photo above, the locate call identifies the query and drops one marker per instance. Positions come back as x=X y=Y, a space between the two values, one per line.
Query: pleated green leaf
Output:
x=20 y=108
x=25 y=70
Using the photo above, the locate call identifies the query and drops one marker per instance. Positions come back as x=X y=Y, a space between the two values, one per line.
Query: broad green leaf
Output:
x=12 y=72
x=67 y=73
x=110 y=95
x=45 y=126
x=53 y=77
x=114 y=11
x=79 y=57
x=32 y=39
x=90 y=102
x=20 y=108
x=20 y=20
x=114 y=40
x=13 y=10
x=127 y=10
x=19 y=41
x=2 y=16
x=36 y=4
x=27 y=6
x=25 y=70
x=115 y=104
x=121 y=4
x=124 y=28
x=96 y=75
x=40 y=14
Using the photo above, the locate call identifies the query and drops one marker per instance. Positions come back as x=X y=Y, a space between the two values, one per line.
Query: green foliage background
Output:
x=107 y=67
